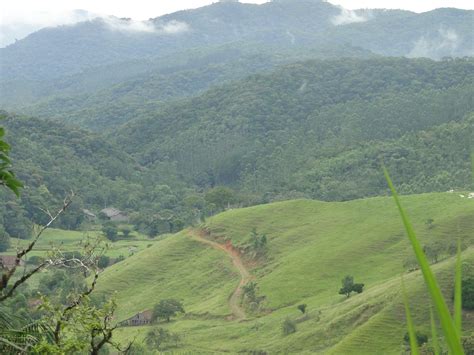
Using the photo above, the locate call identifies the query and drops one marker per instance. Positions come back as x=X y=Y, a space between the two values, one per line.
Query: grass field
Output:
x=71 y=241
x=311 y=246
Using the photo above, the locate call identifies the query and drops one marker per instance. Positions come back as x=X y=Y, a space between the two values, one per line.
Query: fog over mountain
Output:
x=283 y=26
x=229 y=168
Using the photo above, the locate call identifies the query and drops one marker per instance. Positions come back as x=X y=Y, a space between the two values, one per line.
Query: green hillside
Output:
x=312 y=245
x=318 y=129
x=145 y=86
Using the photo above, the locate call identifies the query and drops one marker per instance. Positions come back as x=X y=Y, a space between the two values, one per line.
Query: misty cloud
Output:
x=129 y=25
x=174 y=26
x=348 y=16
x=444 y=43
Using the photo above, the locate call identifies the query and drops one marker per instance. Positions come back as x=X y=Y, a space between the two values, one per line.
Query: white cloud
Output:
x=174 y=26
x=444 y=43
x=348 y=16
x=129 y=25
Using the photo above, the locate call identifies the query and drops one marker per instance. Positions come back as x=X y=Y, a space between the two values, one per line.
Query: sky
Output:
x=18 y=18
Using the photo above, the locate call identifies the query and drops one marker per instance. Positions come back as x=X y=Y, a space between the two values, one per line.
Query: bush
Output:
x=302 y=308
x=110 y=231
x=420 y=338
x=288 y=327
x=468 y=294
x=126 y=231
x=103 y=261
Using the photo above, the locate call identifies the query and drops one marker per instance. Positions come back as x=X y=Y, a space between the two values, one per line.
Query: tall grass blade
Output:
x=410 y=324
x=458 y=292
x=450 y=332
x=434 y=334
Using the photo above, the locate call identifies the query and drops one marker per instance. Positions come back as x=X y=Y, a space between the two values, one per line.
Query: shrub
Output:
x=420 y=338
x=302 y=308
x=288 y=327
x=110 y=231
x=468 y=294
x=103 y=261
x=126 y=231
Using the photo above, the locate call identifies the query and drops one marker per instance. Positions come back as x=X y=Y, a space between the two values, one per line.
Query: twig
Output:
x=6 y=277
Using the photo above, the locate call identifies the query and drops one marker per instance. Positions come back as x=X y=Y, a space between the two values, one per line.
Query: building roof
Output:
x=9 y=261
x=88 y=213
x=111 y=212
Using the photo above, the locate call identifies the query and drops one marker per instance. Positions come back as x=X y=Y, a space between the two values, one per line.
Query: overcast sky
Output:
x=18 y=18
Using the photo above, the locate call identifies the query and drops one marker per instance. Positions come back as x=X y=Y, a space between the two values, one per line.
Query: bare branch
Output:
x=6 y=277
x=20 y=281
x=65 y=314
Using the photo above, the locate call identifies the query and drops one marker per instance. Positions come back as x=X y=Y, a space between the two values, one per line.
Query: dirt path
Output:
x=234 y=300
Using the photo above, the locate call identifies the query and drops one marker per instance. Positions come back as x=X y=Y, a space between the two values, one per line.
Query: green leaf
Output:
x=450 y=332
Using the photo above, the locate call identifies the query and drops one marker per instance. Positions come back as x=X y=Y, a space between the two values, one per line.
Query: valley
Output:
x=217 y=180
x=310 y=249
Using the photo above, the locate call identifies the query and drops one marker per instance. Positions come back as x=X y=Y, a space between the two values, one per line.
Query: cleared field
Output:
x=312 y=245
x=71 y=241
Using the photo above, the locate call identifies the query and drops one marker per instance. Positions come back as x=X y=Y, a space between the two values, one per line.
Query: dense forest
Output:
x=151 y=138
x=92 y=55
x=314 y=129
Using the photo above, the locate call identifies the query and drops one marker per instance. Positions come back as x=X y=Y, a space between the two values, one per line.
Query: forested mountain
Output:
x=317 y=129
x=266 y=133
x=119 y=103
x=168 y=122
x=53 y=60
x=52 y=159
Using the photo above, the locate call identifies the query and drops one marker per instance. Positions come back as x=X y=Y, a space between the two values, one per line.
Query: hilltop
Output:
x=93 y=54
x=312 y=245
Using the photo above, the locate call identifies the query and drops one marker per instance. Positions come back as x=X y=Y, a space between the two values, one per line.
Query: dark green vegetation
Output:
x=316 y=129
x=348 y=286
x=235 y=105
x=311 y=247
x=7 y=176
x=72 y=62
x=166 y=309
x=319 y=129
x=468 y=294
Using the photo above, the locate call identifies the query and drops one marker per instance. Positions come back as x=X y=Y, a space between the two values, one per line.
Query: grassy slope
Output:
x=71 y=240
x=173 y=268
x=312 y=246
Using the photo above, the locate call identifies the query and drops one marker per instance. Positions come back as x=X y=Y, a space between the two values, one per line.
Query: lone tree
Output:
x=167 y=309
x=348 y=286
x=110 y=231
